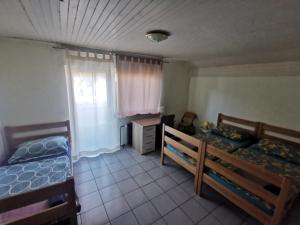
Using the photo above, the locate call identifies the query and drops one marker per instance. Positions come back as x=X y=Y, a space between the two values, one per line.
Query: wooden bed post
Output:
x=71 y=198
x=162 y=144
x=200 y=168
x=196 y=181
x=281 y=202
x=259 y=132
x=219 y=119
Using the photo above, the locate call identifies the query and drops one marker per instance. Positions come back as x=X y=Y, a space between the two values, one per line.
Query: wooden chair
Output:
x=186 y=124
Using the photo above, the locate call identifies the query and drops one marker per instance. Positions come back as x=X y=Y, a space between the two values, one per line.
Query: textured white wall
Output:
x=261 y=92
x=32 y=83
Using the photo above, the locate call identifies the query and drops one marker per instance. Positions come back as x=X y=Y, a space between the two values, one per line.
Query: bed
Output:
x=188 y=153
x=186 y=150
x=36 y=183
x=188 y=156
x=263 y=179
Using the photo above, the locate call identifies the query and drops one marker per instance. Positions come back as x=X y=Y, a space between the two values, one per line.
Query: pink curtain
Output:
x=139 y=85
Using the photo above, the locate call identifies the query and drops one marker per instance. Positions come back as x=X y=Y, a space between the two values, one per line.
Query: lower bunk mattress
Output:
x=24 y=177
x=265 y=161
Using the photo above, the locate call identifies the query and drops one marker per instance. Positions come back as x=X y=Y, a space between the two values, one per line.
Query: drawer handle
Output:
x=149 y=128
x=149 y=136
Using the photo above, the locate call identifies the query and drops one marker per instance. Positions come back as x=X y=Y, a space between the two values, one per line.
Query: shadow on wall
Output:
x=200 y=101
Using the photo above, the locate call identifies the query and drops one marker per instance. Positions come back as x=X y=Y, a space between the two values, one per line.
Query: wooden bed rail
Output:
x=270 y=131
x=195 y=154
x=16 y=135
x=248 y=125
x=66 y=210
x=277 y=201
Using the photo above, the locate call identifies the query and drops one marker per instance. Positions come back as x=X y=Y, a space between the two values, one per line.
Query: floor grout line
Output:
x=140 y=187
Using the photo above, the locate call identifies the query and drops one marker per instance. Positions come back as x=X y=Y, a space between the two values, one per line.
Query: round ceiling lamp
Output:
x=157 y=35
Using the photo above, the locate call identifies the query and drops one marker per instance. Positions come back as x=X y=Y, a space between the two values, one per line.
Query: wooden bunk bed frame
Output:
x=190 y=152
x=67 y=210
x=283 y=182
x=250 y=126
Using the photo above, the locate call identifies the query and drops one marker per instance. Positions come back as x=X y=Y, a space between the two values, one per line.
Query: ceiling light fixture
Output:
x=157 y=35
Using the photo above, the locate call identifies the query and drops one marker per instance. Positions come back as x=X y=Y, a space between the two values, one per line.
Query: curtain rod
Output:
x=58 y=45
x=85 y=49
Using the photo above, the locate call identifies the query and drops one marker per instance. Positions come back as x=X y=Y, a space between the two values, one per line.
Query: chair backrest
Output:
x=189 y=117
x=168 y=120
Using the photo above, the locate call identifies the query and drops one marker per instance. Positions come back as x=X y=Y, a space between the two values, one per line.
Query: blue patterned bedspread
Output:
x=23 y=177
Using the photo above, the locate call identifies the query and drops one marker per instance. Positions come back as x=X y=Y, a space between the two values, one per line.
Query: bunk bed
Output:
x=36 y=182
x=188 y=156
x=262 y=179
x=186 y=150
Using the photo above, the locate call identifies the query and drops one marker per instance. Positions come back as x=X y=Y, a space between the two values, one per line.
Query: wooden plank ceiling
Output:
x=200 y=28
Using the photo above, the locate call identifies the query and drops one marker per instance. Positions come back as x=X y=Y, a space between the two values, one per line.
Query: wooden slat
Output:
x=246 y=166
x=40 y=18
x=12 y=141
x=44 y=126
x=63 y=10
x=30 y=12
x=191 y=140
x=201 y=168
x=143 y=15
x=110 y=18
x=242 y=203
x=97 y=15
x=46 y=12
x=180 y=161
x=54 y=5
x=247 y=125
x=162 y=145
x=34 y=196
x=127 y=20
x=81 y=12
x=279 y=130
x=153 y=13
x=92 y=10
x=72 y=13
x=280 y=211
x=43 y=217
x=33 y=137
x=131 y=9
x=181 y=147
x=237 y=120
x=243 y=182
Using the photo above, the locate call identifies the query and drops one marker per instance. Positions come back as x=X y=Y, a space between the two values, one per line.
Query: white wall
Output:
x=33 y=86
x=32 y=83
x=261 y=92
x=175 y=88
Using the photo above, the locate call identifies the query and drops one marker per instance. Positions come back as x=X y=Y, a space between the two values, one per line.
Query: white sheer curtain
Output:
x=139 y=85
x=91 y=79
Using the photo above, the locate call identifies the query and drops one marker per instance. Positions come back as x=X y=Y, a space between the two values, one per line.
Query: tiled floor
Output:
x=125 y=188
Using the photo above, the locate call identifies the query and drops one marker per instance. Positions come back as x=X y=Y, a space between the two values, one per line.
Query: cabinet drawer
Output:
x=148 y=146
x=148 y=131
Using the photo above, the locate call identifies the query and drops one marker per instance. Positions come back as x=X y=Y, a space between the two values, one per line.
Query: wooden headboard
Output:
x=270 y=131
x=247 y=125
x=16 y=135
